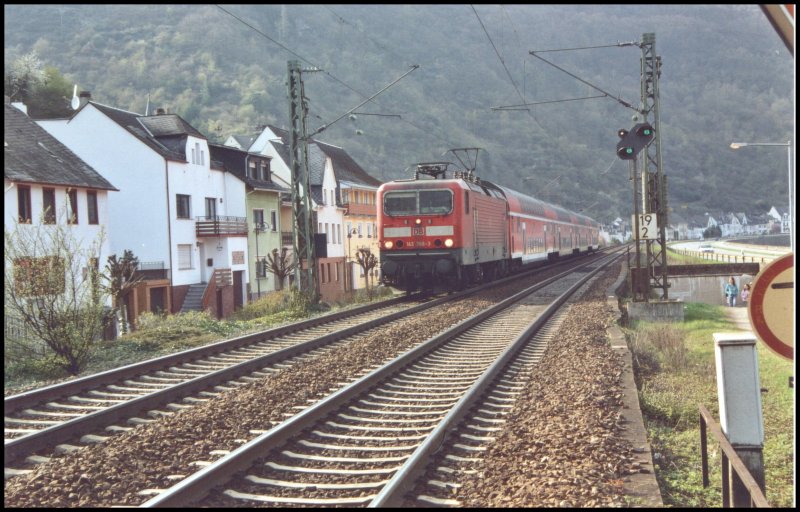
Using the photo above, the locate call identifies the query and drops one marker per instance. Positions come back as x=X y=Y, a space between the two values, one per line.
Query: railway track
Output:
x=43 y=418
x=368 y=443
x=65 y=417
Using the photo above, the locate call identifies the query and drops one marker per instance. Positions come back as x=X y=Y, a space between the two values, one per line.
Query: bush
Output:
x=669 y=342
x=265 y=306
x=176 y=331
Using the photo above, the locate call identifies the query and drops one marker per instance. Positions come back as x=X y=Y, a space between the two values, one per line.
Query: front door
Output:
x=238 y=289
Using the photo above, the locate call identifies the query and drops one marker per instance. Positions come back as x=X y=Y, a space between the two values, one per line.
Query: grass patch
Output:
x=158 y=335
x=673 y=381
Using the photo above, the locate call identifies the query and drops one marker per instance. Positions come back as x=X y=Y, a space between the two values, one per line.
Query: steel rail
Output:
x=196 y=486
x=391 y=495
x=25 y=445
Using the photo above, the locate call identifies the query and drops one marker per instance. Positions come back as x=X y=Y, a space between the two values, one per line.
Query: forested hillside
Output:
x=726 y=77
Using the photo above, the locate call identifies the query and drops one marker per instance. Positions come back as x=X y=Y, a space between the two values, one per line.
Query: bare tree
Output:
x=121 y=281
x=367 y=261
x=52 y=286
x=280 y=265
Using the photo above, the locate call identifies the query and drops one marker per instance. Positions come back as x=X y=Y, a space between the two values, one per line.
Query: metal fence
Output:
x=741 y=482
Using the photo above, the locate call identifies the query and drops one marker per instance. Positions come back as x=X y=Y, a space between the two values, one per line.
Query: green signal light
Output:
x=628 y=151
x=646 y=132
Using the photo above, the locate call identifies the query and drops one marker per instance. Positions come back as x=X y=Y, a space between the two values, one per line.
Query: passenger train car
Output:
x=451 y=232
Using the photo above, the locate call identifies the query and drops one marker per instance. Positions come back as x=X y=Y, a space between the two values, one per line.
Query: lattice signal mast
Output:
x=654 y=182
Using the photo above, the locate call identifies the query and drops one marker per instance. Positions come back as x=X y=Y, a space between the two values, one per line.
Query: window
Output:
x=24 y=204
x=184 y=209
x=211 y=208
x=35 y=277
x=49 y=205
x=91 y=204
x=184 y=256
x=252 y=169
x=72 y=198
x=273 y=218
x=425 y=202
x=322 y=272
x=258 y=218
x=261 y=267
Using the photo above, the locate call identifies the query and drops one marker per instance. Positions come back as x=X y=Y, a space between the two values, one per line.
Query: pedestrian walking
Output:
x=731 y=292
x=745 y=294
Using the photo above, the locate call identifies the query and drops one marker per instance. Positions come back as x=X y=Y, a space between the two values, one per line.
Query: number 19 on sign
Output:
x=648 y=226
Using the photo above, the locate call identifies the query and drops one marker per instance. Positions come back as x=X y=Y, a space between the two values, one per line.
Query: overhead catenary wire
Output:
x=307 y=61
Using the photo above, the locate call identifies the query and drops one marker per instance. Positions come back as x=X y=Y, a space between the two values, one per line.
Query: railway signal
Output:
x=632 y=142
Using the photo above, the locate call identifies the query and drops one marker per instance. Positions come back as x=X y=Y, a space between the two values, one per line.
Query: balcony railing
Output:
x=151 y=270
x=220 y=225
x=287 y=238
x=360 y=209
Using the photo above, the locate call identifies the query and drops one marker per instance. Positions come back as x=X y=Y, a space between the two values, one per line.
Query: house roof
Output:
x=165 y=134
x=233 y=160
x=344 y=167
x=34 y=156
x=245 y=141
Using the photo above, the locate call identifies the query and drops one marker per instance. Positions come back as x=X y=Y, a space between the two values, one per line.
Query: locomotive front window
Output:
x=421 y=202
x=435 y=201
x=400 y=203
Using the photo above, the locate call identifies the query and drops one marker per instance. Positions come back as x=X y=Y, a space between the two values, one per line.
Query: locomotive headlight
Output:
x=419 y=221
x=448 y=242
x=388 y=244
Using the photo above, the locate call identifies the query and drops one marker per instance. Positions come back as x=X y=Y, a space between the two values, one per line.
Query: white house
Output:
x=46 y=182
x=181 y=214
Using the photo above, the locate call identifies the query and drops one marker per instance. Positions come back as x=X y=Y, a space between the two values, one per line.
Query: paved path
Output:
x=738 y=315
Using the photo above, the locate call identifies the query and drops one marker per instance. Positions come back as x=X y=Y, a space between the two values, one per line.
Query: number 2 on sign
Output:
x=648 y=226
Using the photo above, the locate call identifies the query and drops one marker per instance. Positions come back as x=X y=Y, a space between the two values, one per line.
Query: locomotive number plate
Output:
x=417 y=231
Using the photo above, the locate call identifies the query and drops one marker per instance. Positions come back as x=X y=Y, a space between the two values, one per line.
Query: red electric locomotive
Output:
x=451 y=232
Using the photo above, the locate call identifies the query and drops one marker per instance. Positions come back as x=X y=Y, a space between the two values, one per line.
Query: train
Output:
x=448 y=229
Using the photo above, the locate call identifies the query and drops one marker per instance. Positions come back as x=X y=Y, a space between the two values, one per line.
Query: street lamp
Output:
x=788 y=144
x=259 y=227
x=347 y=270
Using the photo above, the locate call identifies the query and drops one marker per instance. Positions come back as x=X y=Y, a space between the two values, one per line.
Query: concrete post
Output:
x=739 y=393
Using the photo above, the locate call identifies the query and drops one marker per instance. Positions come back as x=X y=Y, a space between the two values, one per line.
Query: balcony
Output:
x=220 y=225
x=360 y=209
x=287 y=238
x=152 y=270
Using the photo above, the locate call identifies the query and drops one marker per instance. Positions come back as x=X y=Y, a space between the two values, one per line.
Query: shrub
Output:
x=175 y=331
x=265 y=306
x=669 y=342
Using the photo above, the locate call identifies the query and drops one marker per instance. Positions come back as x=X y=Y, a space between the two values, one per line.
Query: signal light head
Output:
x=622 y=133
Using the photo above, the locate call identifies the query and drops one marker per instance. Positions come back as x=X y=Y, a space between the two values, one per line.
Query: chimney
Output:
x=85 y=97
x=160 y=111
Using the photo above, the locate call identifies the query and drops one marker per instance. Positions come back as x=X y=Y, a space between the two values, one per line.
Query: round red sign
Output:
x=771 y=306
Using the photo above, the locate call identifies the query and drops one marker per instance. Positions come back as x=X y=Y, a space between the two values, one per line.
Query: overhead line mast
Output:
x=654 y=182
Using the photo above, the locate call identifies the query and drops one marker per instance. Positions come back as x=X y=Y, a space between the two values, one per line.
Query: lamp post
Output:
x=788 y=144
x=259 y=227
x=348 y=270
